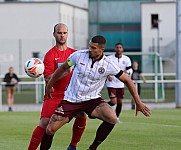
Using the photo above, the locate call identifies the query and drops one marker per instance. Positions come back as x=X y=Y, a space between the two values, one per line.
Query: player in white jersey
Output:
x=114 y=86
x=91 y=68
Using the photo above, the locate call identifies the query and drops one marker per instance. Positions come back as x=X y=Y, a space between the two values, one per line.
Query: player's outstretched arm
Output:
x=58 y=74
x=140 y=106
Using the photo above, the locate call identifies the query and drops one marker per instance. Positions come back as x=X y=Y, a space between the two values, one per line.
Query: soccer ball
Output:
x=34 y=67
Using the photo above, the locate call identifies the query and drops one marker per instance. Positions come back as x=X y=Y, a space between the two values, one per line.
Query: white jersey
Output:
x=88 y=77
x=124 y=63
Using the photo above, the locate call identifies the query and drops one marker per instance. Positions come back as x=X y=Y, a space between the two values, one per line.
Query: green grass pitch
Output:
x=162 y=131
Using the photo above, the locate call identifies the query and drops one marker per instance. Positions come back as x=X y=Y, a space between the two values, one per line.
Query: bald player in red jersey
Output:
x=53 y=59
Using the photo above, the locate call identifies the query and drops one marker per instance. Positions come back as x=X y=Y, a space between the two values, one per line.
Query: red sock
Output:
x=78 y=129
x=36 y=138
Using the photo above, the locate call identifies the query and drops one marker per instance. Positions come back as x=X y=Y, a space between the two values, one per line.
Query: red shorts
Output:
x=115 y=92
x=49 y=106
x=70 y=109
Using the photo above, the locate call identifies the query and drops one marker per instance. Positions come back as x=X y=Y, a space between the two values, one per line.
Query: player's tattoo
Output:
x=102 y=104
x=55 y=118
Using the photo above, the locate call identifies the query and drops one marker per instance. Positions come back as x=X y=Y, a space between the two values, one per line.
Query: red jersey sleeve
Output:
x=49 y=63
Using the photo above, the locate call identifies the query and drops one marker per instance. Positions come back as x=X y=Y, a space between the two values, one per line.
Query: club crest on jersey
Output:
x=101 y=70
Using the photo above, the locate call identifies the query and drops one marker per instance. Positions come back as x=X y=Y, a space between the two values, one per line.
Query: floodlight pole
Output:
x=178 y=53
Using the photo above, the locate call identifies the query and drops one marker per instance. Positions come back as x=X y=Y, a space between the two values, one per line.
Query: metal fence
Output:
x=150 y=89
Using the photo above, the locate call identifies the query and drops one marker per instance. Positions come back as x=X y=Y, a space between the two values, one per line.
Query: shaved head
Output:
x=58 y=25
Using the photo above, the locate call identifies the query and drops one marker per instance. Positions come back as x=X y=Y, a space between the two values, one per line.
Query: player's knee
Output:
x=119 y=101
x=50 y=130
x=81 y=115
x=114 y=102
x=112 y=119
x=44 y=122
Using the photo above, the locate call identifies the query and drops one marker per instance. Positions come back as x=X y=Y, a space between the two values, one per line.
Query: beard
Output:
x=90 y=55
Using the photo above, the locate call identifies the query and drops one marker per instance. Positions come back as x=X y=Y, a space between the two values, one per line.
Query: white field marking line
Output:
x=154 y=124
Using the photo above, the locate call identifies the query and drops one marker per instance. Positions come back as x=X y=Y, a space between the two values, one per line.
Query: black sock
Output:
x=118 y=109
x=102 y=132
x=110 y=103
x=9 y=109
x=46 y=142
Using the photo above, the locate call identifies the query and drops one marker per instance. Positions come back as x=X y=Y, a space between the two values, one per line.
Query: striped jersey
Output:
x=124 y=63
x=88 y=77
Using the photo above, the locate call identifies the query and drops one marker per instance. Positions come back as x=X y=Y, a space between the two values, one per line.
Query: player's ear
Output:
x=103 y=48
x=54 y=34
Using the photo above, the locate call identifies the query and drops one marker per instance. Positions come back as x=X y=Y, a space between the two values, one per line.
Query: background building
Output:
x=118 y=21
x=159 y=31
x=145 y=26
x=26 y=28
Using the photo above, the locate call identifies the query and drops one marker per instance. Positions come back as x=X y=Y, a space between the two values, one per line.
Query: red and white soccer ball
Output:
x=34 y=67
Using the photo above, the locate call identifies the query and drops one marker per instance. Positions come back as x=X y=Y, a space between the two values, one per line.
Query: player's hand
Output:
x=144 y=109
x=49 y=90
